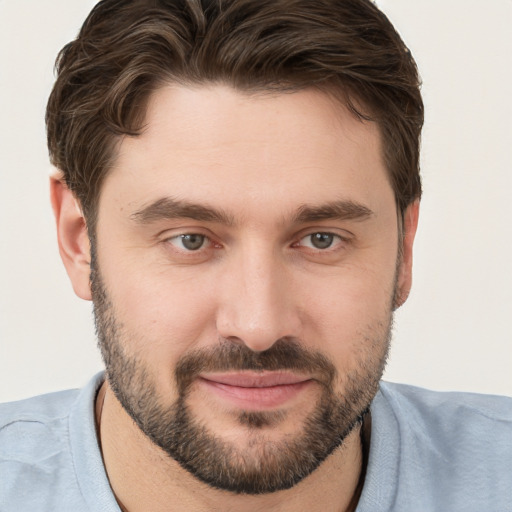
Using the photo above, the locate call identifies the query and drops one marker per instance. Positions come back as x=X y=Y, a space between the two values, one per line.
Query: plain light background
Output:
x=454 y=332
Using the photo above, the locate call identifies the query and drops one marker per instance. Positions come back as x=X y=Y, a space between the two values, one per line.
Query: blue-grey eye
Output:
x=192 y=242
x=319 y=240
x=322 y=240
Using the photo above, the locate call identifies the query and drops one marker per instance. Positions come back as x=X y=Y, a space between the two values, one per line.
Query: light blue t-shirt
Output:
x=429 y=451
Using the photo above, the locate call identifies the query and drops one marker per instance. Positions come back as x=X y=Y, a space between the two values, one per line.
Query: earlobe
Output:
x=72 y=236
x=404 y=278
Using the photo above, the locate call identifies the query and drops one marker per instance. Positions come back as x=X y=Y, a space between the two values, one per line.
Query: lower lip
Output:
x=254 y=399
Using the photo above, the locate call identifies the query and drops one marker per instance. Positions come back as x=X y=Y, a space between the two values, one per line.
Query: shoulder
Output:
x=458 y=425
x=36 y=455
x=442 y=415
x=424 y=404
x=39 y=421
x=449 y=450
x=38 y=408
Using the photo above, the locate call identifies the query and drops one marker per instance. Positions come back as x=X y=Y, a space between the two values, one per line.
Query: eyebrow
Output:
x=168 y=208
x=336 y=210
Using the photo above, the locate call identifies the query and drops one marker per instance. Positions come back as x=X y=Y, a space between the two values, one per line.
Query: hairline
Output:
x=340 y=93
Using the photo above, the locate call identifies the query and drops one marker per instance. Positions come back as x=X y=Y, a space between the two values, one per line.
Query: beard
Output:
x=268 y=465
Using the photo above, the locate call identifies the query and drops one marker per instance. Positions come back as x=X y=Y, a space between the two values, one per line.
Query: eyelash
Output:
x=185 y=236
x=335 y=241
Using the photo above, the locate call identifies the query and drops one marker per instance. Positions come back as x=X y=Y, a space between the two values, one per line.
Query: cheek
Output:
x=163 y=316
x=349 y=319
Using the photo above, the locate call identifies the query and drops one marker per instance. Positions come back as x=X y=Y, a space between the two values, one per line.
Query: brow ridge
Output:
x=168 y=208
x=338 y=210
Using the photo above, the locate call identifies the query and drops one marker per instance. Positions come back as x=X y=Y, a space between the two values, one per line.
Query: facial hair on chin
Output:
x=273 y=465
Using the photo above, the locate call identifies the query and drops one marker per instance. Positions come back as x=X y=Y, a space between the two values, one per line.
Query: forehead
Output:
x=212 y=143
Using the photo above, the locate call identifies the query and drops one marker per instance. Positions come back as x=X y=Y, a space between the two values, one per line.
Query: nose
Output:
x=257 y=304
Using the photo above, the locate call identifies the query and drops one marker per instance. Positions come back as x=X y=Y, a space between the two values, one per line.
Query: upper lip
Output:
x=253 y=379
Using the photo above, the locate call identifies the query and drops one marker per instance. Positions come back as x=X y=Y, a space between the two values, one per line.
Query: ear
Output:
x=72 y=236
x=404 y=280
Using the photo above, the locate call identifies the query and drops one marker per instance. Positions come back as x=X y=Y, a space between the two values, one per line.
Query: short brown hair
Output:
x=128 y=48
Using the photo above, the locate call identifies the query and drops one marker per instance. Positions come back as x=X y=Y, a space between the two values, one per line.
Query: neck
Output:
x=143 y=477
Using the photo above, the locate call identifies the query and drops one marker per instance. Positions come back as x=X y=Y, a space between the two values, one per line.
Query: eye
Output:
x=320 y=240
x=189 y=241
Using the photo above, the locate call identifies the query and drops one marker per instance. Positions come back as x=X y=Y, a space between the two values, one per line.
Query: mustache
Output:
x=284 y=354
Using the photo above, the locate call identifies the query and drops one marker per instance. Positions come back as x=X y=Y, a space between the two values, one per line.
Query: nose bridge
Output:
x=256 y=307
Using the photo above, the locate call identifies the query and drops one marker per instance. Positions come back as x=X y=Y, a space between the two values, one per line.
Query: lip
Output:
x=255 y=390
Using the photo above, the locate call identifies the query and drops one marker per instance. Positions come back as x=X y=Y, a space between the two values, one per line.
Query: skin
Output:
x=258 y=278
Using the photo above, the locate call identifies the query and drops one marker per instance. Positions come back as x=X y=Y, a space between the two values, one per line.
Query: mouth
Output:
x=254 y=391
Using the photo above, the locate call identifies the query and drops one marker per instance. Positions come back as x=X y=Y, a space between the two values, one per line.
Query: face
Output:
x=244 y=275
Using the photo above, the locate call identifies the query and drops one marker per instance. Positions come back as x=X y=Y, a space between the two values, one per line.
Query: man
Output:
x=237 y=193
